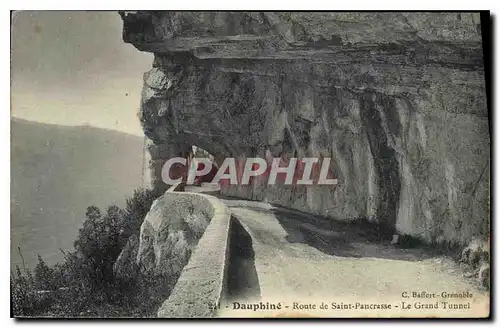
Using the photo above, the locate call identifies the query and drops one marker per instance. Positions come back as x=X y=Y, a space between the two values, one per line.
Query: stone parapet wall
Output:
x=201 y=286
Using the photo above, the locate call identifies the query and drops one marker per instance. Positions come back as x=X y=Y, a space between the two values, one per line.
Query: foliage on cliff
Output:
x=84 y=283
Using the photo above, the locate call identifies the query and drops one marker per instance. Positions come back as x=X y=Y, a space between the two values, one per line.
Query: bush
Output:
x=98 y=245
x=84 y=283
x=135 y=211
x=23 y=295
x=44 y=276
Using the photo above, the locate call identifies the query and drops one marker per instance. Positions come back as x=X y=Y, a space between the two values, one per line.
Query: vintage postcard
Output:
x=232 y=164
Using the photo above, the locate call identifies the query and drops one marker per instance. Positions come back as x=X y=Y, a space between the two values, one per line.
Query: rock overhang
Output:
x=385 y=94
x=317 y=37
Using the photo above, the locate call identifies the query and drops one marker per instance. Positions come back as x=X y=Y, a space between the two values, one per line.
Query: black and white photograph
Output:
x=250 y=164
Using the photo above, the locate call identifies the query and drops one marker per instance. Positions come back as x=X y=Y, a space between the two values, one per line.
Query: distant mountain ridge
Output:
x=56 y=172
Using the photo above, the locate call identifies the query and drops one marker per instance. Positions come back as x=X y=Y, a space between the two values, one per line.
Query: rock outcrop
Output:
x=169 y=233
x=477 y=256
x=397 y=100
x=153 y=261
x=125 y=266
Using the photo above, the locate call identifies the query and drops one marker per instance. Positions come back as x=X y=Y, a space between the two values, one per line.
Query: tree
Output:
x=97 y=247
x=136 y=209
x=44 y=276
x=84 y=284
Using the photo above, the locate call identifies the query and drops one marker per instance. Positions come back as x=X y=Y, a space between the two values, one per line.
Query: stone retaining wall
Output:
x=202 y=283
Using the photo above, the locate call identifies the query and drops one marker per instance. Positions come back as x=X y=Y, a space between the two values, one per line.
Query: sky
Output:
x=73 y=68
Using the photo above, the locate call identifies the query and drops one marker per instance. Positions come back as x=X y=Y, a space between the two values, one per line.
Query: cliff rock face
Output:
x=397 y=100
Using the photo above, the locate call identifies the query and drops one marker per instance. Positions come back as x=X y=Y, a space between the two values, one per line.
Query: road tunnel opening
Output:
x=197 y=157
